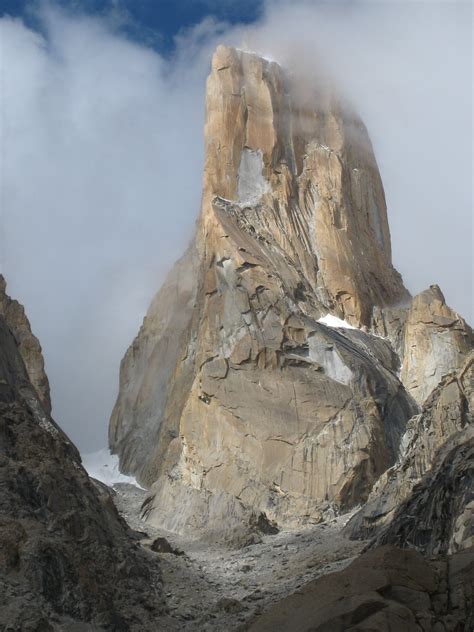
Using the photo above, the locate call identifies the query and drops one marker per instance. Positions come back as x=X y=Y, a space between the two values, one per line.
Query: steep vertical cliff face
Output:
x=235 y=400
x=156 y=372
x=28 y=345
x=307 y=163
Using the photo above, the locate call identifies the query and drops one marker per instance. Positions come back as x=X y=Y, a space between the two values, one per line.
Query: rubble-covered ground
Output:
x=211 y=588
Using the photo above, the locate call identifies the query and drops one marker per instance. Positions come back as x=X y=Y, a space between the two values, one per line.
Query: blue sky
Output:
x=153 y=22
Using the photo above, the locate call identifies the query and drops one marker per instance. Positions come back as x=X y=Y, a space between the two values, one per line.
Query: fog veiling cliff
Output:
x=238 y=402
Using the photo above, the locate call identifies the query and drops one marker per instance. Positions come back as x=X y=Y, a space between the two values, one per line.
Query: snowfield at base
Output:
x=104 y=467
x=334 y=321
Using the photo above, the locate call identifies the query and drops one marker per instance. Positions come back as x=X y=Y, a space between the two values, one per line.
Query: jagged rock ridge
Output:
x=426 y=500
x=234 y=400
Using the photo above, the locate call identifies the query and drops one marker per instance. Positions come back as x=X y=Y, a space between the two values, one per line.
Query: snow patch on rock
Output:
x=333 y=321
x=251 y=182
x=104 y=467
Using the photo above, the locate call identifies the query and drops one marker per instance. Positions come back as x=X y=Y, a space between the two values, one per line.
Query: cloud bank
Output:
x=102 y=162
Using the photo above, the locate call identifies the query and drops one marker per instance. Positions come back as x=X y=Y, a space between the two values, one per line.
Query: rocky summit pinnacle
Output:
x=304 y=168
x=237 y=402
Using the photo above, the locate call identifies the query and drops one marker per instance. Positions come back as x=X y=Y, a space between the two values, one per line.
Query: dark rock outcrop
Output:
x=65 y=554
x=438 y=516
x=28 y=344
x=162 y=545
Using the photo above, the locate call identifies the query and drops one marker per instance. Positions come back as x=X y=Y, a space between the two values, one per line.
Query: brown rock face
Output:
x=28 y=345
x=308 y=162
x=436 y=342
x=233 y=397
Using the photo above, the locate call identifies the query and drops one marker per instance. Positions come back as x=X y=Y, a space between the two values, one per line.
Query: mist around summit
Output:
x=103 y=157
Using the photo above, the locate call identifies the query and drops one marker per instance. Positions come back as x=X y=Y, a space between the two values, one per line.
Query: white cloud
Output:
x=102 y=164
x=101 y=187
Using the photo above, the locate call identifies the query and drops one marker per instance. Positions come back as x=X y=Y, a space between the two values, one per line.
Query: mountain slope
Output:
x=65 y=554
